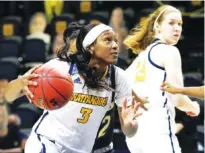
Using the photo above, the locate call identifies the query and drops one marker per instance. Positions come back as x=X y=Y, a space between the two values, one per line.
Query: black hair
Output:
x=82 y=57
x=70 y=33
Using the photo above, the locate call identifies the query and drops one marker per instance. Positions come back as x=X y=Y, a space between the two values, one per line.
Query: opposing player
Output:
x=74 y=127
x=197 y=92
x=158 y=60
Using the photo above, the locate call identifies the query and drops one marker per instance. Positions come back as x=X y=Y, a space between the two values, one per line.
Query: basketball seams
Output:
x=46 y=77
x=56 y=89
x=56 y=77
x=43 y=89
x=59 y=78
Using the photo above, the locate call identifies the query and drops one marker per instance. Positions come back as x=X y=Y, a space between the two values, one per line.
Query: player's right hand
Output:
x=169 y=88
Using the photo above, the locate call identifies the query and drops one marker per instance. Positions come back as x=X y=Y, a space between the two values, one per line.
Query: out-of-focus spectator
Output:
x=37 y=28
x=117 y=22
x=11 y=139
x=53 y=8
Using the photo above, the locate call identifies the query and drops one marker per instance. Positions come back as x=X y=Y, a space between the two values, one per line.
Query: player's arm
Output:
x=19 y=86
x=197 y=92
x=172 y=65
x=12 y=150
x=128 y=108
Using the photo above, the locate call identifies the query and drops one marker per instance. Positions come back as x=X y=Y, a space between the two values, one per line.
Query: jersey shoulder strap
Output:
x=113 y=84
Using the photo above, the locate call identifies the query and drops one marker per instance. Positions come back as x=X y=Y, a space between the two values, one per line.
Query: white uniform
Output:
x=156 y=131
x=73 y=128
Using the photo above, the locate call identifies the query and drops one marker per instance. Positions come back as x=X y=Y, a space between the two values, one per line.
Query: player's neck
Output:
x=159 y=36
x=101 y=67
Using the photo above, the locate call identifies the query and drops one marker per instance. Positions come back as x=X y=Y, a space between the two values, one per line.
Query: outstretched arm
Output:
x=172 y=65
x=19 y=86
x=197 y=92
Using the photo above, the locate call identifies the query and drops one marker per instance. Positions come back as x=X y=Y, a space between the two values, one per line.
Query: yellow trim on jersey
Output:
x=89 y=99
x=105 y=73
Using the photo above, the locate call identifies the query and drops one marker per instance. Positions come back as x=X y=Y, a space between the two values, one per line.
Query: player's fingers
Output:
x=136 y=107
x=27 y=92
x=32 y=76
x=164 y=84
x=163 y=88
x=136 y=115
x=124 y=104
x=133 y=102
x=32 y=83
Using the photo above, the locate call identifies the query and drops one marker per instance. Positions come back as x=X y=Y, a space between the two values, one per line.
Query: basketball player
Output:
x=104 y=138
x=103 y=142
x=19 y=87
x=158 y=60
x=73 y=128
x=197 y=92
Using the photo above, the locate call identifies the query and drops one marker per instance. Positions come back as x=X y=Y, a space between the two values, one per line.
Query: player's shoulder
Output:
x=56 y=62
x=119 y=72
x=166 y=50
x=120 y=75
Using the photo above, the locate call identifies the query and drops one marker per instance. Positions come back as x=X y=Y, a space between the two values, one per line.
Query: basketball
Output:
x=54 y=89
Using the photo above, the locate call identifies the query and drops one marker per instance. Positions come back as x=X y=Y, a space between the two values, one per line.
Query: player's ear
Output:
x=91 y=49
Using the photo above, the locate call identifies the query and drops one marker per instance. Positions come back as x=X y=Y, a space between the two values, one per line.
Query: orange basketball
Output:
x=54 y=89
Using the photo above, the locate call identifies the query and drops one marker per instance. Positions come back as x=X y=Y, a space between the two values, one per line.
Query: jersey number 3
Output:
x=85 y=115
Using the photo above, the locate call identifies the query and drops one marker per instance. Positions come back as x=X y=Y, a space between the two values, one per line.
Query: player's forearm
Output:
x=193 y=91
x=184 y=103
x=12 y=150
x=12 y=90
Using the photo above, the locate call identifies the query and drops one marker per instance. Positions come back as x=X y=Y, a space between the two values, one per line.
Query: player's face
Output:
x=106 y=48
x=171 y=27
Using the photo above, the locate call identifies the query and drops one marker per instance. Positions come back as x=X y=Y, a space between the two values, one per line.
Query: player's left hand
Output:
x=130 y=114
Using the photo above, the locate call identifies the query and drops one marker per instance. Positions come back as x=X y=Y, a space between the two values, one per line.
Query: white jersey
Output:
x=146 y=78
x=76 y=124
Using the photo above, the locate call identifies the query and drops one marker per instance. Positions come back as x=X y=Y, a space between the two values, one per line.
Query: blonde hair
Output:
x=142 y=35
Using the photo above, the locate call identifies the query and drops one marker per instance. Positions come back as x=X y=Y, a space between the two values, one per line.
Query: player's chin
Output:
x=112 y=61
x=173 y=42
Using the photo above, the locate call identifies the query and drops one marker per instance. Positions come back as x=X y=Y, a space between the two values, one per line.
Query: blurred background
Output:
x=31 y=32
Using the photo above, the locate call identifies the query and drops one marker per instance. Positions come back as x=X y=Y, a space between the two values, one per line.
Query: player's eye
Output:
x=108 y=39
